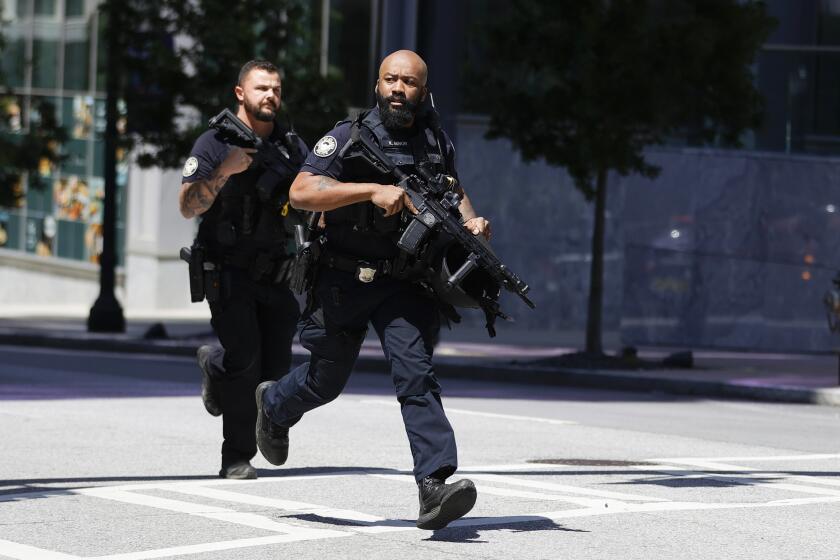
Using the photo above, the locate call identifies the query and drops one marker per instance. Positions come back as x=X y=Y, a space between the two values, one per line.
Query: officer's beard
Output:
x=396 y=117
x=264 y=113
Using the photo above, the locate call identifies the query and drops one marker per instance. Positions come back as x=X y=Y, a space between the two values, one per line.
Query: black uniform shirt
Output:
x=208 y=153
x=211 y=149
x=324 y=160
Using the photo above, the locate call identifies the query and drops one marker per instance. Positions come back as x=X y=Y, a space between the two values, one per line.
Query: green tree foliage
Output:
x=182 y=58
x=589 y=84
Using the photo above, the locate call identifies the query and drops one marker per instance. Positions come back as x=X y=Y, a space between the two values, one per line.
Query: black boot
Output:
x=272 y=440
x=209 y=394
x=239 y=471
x=440 y=503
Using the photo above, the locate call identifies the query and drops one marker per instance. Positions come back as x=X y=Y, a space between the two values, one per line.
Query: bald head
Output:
x=406 y=63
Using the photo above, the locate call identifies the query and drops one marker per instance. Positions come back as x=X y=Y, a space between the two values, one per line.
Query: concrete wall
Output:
x=32 y=282
x=155 y=276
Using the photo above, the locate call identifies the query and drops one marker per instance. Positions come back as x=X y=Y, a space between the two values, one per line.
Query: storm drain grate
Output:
x=589 y=462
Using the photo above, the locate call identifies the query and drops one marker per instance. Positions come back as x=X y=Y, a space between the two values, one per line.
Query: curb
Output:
x=478 y=369
x=634 y=381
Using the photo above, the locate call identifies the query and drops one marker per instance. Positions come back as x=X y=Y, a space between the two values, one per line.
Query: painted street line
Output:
x=208 y=547
x=680 y=506
x=708 y=468
x=484 y=414
x=209 y=512
x=18 y=551
x=163 y=485
x=508 y=493
x=367 y=523
x=594 y=502
x=513 y=468
x=753 y=458
x=542 y=486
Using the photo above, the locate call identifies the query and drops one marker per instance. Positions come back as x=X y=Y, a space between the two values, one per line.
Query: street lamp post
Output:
x=106 y=315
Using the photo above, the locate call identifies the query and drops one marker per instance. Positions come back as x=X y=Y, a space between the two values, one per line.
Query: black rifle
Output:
x=269 y=155
x=437 y=212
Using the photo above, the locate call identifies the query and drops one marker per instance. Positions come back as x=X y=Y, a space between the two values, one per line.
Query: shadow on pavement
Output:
x=25 y=486
x=518 y=524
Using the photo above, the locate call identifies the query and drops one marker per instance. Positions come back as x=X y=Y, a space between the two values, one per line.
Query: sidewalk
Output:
x=799 y=378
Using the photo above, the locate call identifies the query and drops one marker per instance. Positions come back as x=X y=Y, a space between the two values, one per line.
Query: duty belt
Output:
x=363 y=270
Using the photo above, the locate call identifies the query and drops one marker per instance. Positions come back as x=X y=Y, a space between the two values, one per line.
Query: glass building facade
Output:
x=798 y=73
x=52 y=61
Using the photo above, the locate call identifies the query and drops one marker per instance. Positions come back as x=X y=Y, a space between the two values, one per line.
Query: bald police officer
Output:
x=363 y=280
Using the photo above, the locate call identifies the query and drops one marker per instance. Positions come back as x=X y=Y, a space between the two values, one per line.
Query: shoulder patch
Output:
x=325 y=146
x=190 y=166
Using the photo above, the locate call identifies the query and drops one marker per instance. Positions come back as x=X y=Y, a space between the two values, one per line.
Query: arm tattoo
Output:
x=326 y=182
x=200 y=194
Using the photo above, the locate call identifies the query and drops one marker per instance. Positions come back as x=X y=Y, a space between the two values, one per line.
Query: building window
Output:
x=59 y=213
x=76 y=56
x=74 y=8
x=44 y=7
x=13 y=61
x=44 y=63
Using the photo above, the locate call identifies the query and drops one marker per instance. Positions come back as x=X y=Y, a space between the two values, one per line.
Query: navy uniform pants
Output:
x=255 y=323
x=407 y=323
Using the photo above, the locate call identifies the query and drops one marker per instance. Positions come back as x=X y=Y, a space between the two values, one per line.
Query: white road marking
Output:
x=542 y=486
x=286 y=505
x=210 y=547
x=594 y=502
x=209 y=512
x=164 y=485
x=621 y=496
x=782 y=481
x=809 y=457
x=19 y=551
x=791 y=411
x=507 y=492
x=484 y=414
x=680 y=506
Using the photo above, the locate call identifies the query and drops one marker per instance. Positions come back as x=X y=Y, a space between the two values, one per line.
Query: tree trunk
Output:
x=596 y=275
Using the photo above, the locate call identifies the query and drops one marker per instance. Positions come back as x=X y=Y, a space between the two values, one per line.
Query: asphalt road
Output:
x=111 y=456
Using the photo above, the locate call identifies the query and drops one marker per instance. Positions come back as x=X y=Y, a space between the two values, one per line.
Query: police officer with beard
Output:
x=245 y=241
x=362 y=279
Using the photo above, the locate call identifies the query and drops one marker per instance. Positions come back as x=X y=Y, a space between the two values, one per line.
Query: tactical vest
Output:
x=246 y=220
x=360 y=230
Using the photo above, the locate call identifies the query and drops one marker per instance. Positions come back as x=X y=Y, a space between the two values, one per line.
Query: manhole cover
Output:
x=589 y=462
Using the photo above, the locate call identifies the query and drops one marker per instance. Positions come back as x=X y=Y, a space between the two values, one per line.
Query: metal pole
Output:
x=106 y=315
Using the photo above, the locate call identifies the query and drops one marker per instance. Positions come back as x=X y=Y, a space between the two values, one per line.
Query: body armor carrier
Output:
x=246 y=227
x=360 y=229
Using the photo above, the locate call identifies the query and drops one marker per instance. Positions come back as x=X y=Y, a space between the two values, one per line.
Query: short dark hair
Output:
x=257 y=64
